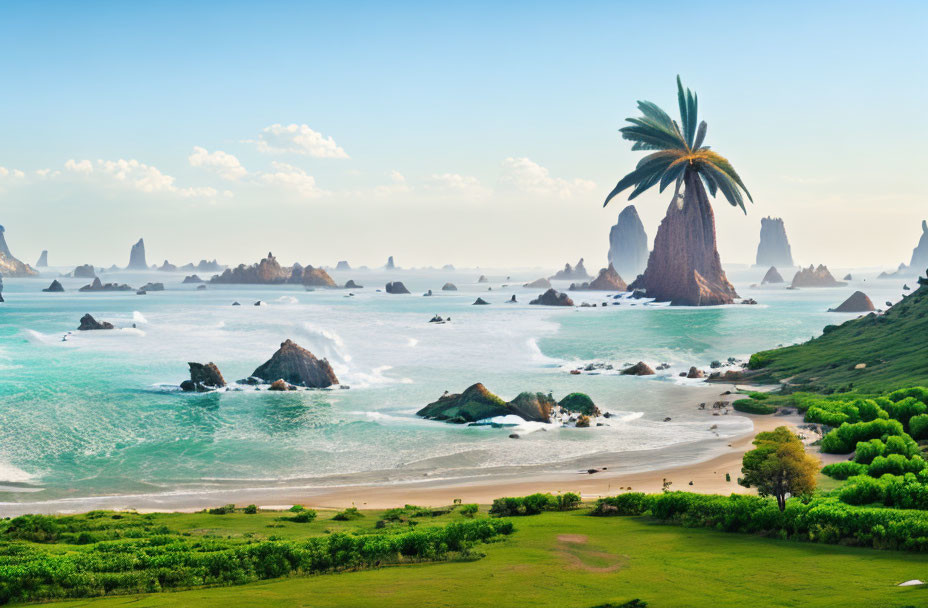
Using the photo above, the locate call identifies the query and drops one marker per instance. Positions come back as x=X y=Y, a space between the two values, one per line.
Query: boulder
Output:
x=203 y=377
x=628 y=244
x=608 y=280
x=137 y=257
x=534 y=407
x=579 y=403
x=317 y=277
x=512 y=300
x=552 y=298
x=583 y=422
x=98 y=285
x=343 y=265
x=475 y=403
x=54 y=287
x=89 y=323
x=350 y=284
x=848 y=277
x=84 y=271
x=695 y=373
x=684 y=268
x=483 y=279
x=815 y=277
x=193 y=279
x=639 y=369
x=480 y=302
x=772 y=277
x=773 y=249
x=449 y=287
x=280 y=385
x=9 y=265
x=297 y=366
x=428 y=293
x=858 y=302
x=569 y=273
x=152 y=287
x=43 y=259
x=266 y=272
x=541 y=283
x=396 y=287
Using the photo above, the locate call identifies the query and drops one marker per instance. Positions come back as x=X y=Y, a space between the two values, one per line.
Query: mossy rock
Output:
x=580 y=403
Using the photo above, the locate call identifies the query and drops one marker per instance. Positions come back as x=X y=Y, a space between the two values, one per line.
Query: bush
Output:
x=567 y=501
x=296 y=508
x=843 y=439
x=303 y=517
x=469 y=510
x=223 y=510
x=843 y=470
x=524 y=505
x=752 y=406
x=918 y=426
x=348 y=514
x=631 y=503
x=251 y=509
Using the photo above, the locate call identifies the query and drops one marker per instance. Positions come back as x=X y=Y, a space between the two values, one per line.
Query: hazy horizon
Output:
x=483 y=135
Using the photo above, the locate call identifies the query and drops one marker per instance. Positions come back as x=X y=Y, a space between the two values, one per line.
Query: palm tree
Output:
x=684 y=266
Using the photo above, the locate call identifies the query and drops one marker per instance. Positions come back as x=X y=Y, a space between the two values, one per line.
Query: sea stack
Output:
x=55 y=287
x=137 y=257
x=608 y=280
x=920 y=253
x=628 y=244
x=815 y=277
x=9 y=265
x=772 y=276
x=396 y=287
x=203 y=378
x=773 y=249
x=296 y=365
x=684 y=267
x=43 y=259
x=568 y=273
x=390 y=265
x=343 y=265
x=84 y=271
x=858 y=302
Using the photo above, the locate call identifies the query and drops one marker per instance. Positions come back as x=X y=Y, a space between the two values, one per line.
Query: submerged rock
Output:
x=9 y=265
x=203 y=377
x=541 y=283
x=568 y=273
x=628 y=244
x=815 y=277
x=297 y=366
x=772 y=277
x=43 y=259
x=54 y=287
x=89 y=323
x=858 y=302
x=137 y=257
x=552 y=298
x=773 y=249
x=449 y=287
x=396 y=287
x=639 y=369
x=608 y=280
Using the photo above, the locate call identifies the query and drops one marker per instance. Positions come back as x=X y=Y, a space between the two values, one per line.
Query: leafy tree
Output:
x=779 y=466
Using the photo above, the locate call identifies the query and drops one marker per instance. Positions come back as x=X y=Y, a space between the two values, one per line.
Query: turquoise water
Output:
x=100 y=413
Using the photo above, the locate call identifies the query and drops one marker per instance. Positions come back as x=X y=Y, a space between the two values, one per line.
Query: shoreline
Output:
x=706 y=475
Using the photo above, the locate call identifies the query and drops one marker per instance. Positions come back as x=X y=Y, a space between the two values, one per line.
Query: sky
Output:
x=476 y=134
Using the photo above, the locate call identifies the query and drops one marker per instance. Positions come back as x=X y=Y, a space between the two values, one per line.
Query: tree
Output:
x=779 y=466
x=684 y=266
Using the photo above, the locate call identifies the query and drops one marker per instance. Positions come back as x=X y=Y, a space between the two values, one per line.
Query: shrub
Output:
x=469 y=510
x=843 y=470
x=630 y=503
x=524 y=505
x=844 y=438
x=752 y=406
x=251 y=509
x=348 y=514
x=223 y=510
x=303 y=517
x=918 y=426
x=296 y=508
x=904 y=409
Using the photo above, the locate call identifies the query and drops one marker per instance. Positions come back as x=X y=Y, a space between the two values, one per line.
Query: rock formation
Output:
x=265 y=272
x=89 y=323
x=541 y=283
x=639 y=369
x=1 y=288
x=570 y=273
x=192 y=278
x=317 y=277
x=396 y=287
x=695 y=372
x=297 y=366
x=152 y=287
x=553 y=298
x=352 y=285
x=815 y=277
x=773 y=249
x=772 y=277
x=343 y=265
x=920 y=253
x=9 y=265
x=536 y=407
x=137 y=257
x=608 y=280
x=54 y=287
x=43 y=259
x=628 y=244
x=203 y=378
x=858 y=302
x=167 y=267
x=98 y=285
x=483 y=279
x=84 y=271
x=390 y=265
x=480 y=302
x=579 y=403
x=449 y=287
x=475 y=403
x=684 y=267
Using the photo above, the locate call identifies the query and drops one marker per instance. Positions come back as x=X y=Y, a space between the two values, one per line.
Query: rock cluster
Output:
x=84 y=271
x=639 y=369
x=608 y=280
x=267 y=271
x=570 y=273
x=628 y=244
x=98 y=285
x=89 y=323
x=477 y=403
x=203 y=378
x=152 y=287
x=350 y=284
x=815 y=277
x=553 y=298
x=343 y=265
x=192 y=278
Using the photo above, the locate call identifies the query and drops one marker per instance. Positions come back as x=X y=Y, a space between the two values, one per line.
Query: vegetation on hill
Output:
x=872 y=354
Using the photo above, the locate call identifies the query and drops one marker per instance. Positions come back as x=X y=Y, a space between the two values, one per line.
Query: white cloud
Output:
x=292 y=178
x=528 y=176
x=297 y=139
x=13 y=173
x=457 y=184
x=223 y=163
x=135 y=175
x=397 y=185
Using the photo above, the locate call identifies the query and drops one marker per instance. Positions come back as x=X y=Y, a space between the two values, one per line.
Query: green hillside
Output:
x=893 y=348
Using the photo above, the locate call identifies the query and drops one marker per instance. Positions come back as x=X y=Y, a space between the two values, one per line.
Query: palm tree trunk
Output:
x=684 y=267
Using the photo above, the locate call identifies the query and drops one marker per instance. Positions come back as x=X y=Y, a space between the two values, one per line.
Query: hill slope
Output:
x=894 y=347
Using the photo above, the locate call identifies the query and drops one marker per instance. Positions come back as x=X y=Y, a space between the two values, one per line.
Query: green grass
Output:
x=621 y=558
x=892 y=345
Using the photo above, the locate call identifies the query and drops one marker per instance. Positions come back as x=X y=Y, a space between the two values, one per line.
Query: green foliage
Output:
x=296 y=508
x=843 y=470
x=469 y=510
x=524 y=505
x=223 y=510
x=302 y=517
x=779 y=466
x=251 y=509
x=580 y=403
x=906 y=491
x=567 y=501
x=752 y=406
x=677 y=153
x=348 y=514
x=918 y=426
x=843 y=439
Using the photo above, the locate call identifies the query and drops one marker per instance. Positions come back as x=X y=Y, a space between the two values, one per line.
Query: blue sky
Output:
x=469 y=133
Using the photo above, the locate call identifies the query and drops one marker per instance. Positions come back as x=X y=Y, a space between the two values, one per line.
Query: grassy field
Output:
x=570 y=560
x=890 y=345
